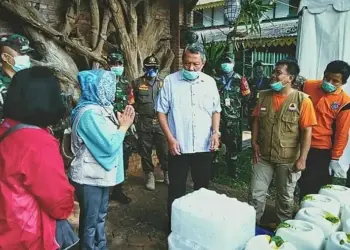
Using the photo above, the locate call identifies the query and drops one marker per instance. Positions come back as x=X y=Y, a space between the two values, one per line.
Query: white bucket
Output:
x=263 y=242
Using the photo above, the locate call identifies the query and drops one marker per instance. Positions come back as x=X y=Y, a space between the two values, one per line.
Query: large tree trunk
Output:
x=137 y=36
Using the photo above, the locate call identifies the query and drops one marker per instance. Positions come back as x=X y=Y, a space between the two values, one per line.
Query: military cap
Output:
x=151 y=61
x=258 y=63
x=16 y=42
x=115 y=57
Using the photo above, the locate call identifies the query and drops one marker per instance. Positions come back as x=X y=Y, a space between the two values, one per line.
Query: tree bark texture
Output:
x=138 y=32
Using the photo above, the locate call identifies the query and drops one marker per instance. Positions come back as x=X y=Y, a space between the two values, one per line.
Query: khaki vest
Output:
x=279 y=133
x=146 y=96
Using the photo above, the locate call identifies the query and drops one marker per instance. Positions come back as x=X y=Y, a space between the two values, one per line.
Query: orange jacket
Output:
x=333 y=118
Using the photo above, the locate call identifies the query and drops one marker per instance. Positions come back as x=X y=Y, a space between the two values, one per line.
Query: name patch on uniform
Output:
x=227 y=102
x=143 y=87
x=335 y=106
x=263 y=108
x=292 y=107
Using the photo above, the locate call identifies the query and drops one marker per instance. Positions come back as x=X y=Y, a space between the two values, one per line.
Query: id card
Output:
x=227 y=102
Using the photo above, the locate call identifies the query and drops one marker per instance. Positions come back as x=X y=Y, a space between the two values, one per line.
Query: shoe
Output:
x=150 y=181
x=166 y=177
x=121 y=198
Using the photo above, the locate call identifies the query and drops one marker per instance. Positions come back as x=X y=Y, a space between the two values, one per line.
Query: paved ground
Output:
x=142 y=224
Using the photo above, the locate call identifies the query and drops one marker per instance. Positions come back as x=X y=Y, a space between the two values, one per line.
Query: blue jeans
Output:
x=93 y=202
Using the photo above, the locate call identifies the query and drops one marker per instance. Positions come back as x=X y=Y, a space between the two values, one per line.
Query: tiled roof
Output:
x=204 y=4
x=286 y=28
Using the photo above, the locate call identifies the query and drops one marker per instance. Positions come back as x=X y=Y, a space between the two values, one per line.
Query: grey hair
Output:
x=195 y=48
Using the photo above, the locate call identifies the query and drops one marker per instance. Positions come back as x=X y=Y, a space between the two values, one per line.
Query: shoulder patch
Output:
x=160 y=84
x=335 y=106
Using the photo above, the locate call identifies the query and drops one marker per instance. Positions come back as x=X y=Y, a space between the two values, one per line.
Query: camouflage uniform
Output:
x=121 y=101
x=4 y=84
x=231 y=118
x=21 y=45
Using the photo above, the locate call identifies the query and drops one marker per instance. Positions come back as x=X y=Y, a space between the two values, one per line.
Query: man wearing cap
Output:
x=14 y=49
x=232 y=94
x=146 y=89
x=116 y=65
x=256 y=83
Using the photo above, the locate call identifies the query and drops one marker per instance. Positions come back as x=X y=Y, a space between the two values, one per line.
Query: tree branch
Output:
x=32 y=19
x=103 y=34
x=118 y=19
x=95 y=22
x=71 y=17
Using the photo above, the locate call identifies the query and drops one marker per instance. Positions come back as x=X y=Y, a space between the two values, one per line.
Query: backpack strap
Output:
x=15 y=128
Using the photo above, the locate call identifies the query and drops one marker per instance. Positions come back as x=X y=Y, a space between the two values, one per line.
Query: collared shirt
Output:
x=189 y=106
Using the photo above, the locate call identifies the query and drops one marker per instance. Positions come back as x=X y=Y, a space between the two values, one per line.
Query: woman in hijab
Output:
x=97 y=143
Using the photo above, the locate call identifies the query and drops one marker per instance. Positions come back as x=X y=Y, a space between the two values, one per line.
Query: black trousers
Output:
x=200 y=165
x=316 y=173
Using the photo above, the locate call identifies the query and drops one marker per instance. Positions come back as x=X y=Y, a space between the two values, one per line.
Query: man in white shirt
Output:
x=189 y=109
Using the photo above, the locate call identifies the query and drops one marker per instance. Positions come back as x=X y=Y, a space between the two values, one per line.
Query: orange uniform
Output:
x=307 y=113
x=333 y=118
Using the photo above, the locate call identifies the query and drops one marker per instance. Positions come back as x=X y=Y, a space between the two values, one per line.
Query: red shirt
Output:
x=34 y=190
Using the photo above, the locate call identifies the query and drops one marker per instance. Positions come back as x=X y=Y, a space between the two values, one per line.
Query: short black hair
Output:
x=34 y=97
x=339 y=67
x=258 y=63
x=292 y=67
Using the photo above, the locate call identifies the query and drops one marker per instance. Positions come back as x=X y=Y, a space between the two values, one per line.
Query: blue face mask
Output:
x=227 y=67
x=328 y=87
x=277 y=86
x=117 y=70
x=190 y=75
x=21 y=62
x=152 y=72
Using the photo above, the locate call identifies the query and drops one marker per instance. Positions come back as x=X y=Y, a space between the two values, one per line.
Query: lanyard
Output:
x=227 y=84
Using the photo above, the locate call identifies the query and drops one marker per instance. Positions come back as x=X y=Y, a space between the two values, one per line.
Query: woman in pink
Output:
x=34 y=190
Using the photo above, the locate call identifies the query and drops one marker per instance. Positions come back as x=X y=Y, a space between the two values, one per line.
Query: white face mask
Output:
x=21 y=62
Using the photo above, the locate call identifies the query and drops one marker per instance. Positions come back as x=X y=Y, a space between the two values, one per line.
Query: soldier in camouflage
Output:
x=232 y=97
x=116 y=63
x=256 y=83
x=14 y=49
x=146 y=89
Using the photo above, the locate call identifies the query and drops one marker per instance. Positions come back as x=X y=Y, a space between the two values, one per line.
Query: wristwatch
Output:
x=217 y=132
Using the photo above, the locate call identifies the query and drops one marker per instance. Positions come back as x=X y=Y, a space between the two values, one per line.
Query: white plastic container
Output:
x=345 y=226
x=327 y=203
x=265 y=242
x=345 y=215
x=302 y=234
x=212 y=220
x=338 y=241
x=326 y=221
x=340 y=193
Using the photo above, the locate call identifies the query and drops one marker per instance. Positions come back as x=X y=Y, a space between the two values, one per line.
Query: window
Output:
x=207 y=17
x=282 y=9
x=198 y=18
x=219 y=17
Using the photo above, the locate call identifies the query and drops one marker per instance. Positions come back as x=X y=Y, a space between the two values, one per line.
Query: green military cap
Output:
x=151 y=61
x=114 y=57
x=259 y=63
x=17 y=42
